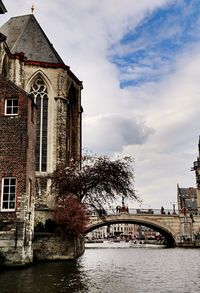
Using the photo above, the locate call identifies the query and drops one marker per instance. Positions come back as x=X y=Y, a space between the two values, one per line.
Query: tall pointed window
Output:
x=40 y=96
x=5 y=66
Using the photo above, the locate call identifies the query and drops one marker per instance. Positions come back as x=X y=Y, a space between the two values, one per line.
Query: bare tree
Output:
x=100 y=181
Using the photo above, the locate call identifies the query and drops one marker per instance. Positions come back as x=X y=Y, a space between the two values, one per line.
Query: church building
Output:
x=31 y=70
x=32 y=63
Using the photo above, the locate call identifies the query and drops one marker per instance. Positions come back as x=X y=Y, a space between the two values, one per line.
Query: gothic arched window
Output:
x=5 y=66
x=40 y=95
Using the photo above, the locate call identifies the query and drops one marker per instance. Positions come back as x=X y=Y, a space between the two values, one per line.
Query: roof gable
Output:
x=24 y=34
x=10 y=87
x=188 y=192
x=2 y=8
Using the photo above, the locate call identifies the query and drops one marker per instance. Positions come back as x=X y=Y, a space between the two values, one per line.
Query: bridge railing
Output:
x=118 y=211
x=141 y=211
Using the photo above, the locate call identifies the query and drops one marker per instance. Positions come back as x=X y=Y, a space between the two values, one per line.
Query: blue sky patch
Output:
x=147 y=52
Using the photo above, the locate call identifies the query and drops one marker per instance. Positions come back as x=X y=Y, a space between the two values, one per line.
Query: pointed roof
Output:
x=24 y=34
x=2 y=8
x=189 y=197
x=11 y=88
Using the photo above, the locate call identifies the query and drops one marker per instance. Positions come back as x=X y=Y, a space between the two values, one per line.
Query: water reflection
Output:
x=130 y=270
x=45 y=277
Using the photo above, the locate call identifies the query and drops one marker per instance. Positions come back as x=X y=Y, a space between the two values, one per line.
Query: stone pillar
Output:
x=198 y=199
x=61 y=129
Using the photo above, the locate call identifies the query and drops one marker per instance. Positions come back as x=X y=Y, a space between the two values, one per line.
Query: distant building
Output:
x=187 y=198
x=124 y=231
x=115 y=230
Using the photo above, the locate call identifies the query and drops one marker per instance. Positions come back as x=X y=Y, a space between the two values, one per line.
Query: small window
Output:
x=32 y=112
x=30 y=193
x=8 y=196
x=11 y=106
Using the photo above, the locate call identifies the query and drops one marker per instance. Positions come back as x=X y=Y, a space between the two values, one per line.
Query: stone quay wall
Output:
x=15 y=247
x=53 y=246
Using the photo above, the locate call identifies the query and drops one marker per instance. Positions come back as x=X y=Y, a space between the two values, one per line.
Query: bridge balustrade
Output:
x=140 y=211
x=114 y=211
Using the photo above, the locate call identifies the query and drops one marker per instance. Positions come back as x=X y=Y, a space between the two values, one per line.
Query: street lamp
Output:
x=174 y=207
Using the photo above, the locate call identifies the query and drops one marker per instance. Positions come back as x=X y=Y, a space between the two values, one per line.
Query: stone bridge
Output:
x=175 y=227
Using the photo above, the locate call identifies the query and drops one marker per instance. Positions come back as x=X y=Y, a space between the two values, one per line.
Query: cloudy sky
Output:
x=140 y=66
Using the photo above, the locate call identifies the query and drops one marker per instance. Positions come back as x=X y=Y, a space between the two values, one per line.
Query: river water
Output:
x=114 y=270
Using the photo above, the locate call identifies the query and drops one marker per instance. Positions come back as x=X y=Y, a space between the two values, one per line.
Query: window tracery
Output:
x=40 y=95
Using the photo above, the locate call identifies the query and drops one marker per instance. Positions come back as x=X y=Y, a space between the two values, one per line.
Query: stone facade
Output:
x=48 y=246
x=37 y=67
x=30 y=64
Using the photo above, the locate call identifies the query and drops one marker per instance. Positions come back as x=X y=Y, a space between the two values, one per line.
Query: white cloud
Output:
x=172 y=110
x=113 y=133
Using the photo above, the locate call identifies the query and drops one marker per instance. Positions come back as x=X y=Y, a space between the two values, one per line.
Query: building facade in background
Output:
x=189 y=198
x=122 y=231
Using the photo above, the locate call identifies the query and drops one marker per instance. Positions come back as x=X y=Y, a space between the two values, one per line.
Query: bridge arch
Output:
x=165 y=231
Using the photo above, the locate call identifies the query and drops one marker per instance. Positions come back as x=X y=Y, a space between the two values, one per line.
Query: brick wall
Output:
x=17 y=139
x=17 y=145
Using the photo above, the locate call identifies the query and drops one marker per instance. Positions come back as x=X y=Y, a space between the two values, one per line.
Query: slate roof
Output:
x=24 y=34
x=10 y=86
x=189 y=197
x=2 y=8
x=6 y=83
x=189 y=192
